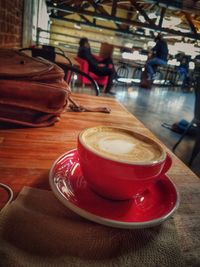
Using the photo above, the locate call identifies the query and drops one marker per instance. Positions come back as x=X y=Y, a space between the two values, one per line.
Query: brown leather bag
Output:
x=33 y=91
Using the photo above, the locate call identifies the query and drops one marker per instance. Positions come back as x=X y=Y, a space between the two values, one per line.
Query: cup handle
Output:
x=168 y=163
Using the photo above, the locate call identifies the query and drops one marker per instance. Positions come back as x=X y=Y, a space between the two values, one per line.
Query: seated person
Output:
x=197 y=66
x=159 y=56
x=196 y=73
x=183 y=69
x=100 y=68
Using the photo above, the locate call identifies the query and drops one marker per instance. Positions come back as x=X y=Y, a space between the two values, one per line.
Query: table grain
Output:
x=27 y=154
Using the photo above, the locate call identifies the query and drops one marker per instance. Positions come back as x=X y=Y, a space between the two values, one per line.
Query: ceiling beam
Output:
x=114 y=8
x=99 y=26
x=129 y=16
x=142 y=12
x=177 y=5
x=189 y=20
x=84 y=18
x=162 y=14
x=68 y=2
x=126 y=21
x=97 y=7
x=100 y=9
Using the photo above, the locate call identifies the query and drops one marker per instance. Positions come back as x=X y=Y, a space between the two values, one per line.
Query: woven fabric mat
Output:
x=37 y=230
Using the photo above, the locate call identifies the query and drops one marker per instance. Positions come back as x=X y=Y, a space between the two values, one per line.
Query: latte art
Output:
x=121 y=145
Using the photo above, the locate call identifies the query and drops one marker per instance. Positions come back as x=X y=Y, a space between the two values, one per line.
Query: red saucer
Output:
x=157 y=203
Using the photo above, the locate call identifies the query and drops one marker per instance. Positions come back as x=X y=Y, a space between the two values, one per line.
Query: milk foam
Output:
x=119 y=144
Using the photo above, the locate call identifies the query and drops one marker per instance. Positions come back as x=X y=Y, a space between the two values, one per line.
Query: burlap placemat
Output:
x=37 y=230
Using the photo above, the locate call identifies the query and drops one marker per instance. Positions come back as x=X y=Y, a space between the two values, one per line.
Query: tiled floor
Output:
x=158 y=105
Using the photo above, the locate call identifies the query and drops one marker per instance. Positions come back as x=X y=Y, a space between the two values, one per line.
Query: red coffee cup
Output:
x=109 y=165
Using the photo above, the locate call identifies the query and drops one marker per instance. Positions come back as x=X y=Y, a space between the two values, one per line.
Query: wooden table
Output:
x=26 y=156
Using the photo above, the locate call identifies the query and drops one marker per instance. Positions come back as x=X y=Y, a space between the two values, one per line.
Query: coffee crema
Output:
x=121 y=145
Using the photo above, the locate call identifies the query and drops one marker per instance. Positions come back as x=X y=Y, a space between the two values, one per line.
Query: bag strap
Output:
x=74 y=106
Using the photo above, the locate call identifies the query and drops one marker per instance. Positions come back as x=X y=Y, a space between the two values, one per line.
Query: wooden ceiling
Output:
x=175 y=18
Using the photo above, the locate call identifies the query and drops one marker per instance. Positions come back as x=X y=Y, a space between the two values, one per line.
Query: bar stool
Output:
x=195 y=120
x=137 y=72
x=122 y=75
x=122 y=71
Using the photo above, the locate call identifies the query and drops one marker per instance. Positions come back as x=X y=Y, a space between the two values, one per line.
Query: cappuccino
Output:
x=121 y=145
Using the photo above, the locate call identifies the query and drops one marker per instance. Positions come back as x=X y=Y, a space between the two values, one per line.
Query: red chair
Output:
x=101 y=80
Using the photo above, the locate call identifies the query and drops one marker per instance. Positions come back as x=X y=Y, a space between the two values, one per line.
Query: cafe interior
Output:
x=51 y=213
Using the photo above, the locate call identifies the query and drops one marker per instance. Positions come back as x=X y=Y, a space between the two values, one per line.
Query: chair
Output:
x=71 y=73
x=101 y=80
x=195 y=120
x=122 y=70
x=46 y=51
x=122 y=76
x=91 y=88
x=137 y=72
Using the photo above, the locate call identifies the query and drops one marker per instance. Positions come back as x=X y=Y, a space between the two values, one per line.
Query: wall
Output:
x=40 y=20
x=27 y=23
x=96 y=35
x=11 y=19
x=73 y=35
x=65 y=35
x=35 y=16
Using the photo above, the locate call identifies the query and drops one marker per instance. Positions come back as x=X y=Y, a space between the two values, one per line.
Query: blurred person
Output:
x=197 y=66
x=196 y=73
x=159 y=55
x=183 y=70
x=103 y=67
